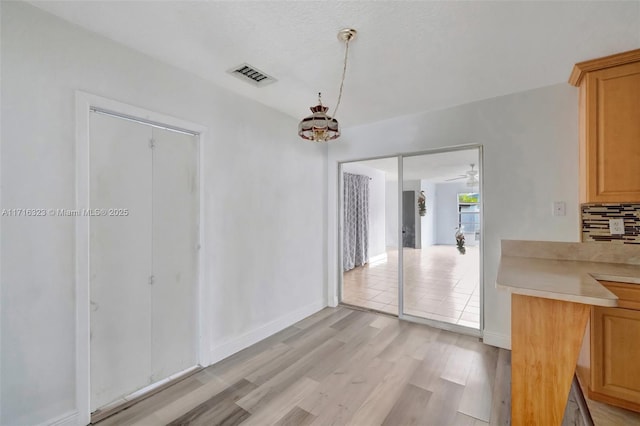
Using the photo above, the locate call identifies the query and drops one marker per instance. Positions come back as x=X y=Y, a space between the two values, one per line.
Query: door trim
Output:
x=84 y=103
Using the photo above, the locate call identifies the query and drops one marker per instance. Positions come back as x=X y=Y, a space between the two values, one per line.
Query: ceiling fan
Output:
x=470 y=175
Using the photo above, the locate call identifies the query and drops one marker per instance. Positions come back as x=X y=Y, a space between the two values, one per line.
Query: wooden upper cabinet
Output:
x=609 y=128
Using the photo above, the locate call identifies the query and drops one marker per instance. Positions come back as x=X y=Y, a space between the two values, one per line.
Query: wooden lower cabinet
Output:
x=615 y=355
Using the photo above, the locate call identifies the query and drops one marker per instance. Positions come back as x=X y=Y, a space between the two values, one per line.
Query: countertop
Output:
x=554 y=271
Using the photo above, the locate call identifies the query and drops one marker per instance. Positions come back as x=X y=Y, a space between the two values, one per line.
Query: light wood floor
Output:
x=440 y=284
x=339 y=367
x=608 y=415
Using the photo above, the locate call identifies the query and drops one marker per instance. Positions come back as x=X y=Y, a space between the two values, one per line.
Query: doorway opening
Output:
x=421 y=237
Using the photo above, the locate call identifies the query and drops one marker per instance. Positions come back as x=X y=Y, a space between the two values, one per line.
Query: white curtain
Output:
x=356 y=221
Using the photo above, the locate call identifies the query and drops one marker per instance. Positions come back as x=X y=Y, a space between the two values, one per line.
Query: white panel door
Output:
x=175 y=240
x=120 y=258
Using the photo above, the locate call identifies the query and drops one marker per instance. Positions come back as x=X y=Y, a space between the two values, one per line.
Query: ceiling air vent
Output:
x=251 y=74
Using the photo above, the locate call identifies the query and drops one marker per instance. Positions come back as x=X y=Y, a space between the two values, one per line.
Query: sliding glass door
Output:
x=441 y=237
x=410 y=236
x=369 y=218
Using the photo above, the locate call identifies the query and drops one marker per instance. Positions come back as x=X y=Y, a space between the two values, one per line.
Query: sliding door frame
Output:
x=400 y=157
x=85 y=102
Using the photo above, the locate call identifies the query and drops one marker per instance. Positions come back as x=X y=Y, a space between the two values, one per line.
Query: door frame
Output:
x=400 y=156
x=84 y=102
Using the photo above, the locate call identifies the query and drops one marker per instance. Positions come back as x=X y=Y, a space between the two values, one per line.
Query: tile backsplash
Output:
x=595 y=222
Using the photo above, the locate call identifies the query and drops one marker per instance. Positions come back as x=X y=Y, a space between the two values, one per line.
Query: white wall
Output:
x=447 y=210
x=264 y=200
x=530 y=142
x=429 y=222
x=377 y=236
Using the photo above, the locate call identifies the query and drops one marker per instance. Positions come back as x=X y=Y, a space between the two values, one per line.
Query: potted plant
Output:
x=422 y=204
x=460 y=241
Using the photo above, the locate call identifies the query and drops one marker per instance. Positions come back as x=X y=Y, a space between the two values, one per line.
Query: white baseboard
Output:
x=379 y=258
x=71 y=418
x=236 y=344
x=497 y=339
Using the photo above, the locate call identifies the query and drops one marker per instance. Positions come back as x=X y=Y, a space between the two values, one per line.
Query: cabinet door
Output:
x=615 y=354
x=612 y=134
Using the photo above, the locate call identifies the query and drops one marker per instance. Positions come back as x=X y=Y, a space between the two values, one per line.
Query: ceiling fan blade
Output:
x=456 y=178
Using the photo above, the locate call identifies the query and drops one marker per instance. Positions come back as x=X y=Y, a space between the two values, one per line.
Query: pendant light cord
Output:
x=344 y=73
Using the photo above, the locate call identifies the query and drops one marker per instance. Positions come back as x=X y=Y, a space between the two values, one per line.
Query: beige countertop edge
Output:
x=616 y=278
x=590 y=293
x=567 y=297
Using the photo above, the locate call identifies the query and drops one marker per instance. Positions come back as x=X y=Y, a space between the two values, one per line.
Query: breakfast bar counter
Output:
x=553 y=286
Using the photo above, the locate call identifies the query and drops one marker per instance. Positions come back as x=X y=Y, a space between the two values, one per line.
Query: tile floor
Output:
x=440 y=284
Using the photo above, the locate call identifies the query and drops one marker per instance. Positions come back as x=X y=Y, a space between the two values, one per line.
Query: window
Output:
x=469 y=213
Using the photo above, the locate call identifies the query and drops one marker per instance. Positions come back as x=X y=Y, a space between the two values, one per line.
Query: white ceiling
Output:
x=438 y=167
x=408 y=56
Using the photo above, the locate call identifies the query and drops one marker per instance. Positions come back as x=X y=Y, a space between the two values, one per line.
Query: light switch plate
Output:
x=616 y=226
